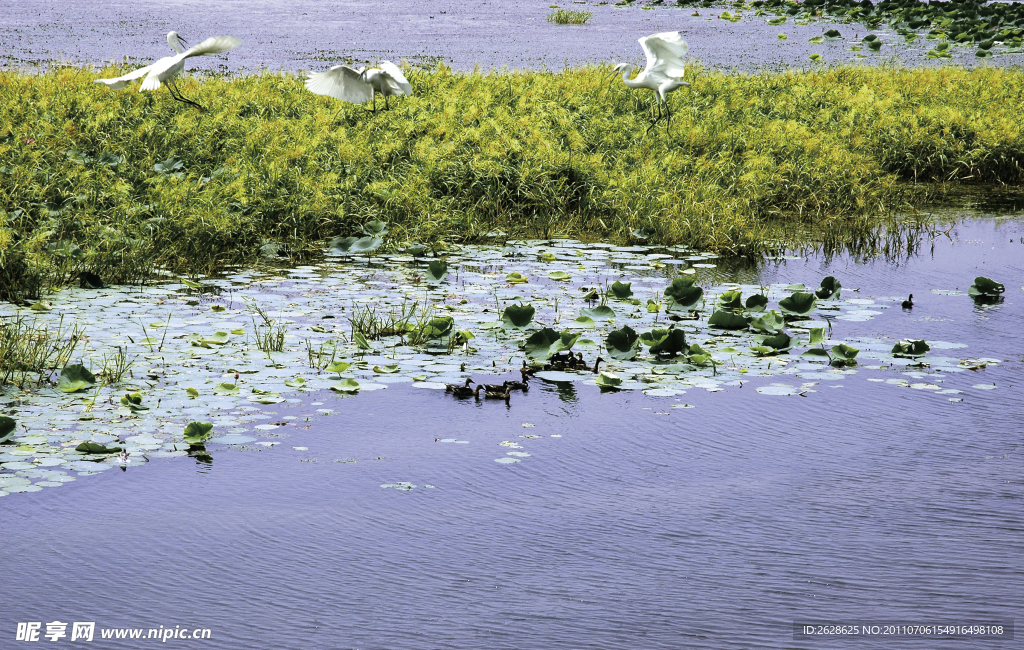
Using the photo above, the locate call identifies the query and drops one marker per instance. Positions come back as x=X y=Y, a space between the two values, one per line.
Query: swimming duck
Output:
x=492 y=394
x=451 y=388
x=909 y=302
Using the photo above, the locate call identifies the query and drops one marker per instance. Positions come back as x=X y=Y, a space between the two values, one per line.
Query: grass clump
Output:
x=123 y=183
x=569 y=17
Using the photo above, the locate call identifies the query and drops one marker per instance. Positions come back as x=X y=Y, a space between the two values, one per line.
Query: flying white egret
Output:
x=166 y=69
x=358 y=86
x=665 y=67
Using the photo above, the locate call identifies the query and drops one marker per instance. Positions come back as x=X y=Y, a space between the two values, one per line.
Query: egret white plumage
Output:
x=360 y=85
x=163 y=71
x=665 y=67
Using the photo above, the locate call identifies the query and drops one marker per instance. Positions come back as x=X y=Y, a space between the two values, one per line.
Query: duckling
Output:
x=909 y=302
x=453 y=388
x=492 y=394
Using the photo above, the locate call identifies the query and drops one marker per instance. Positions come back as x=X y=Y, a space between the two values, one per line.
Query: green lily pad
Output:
x=683 y=293
x=8 y=427
x=346 y=386
x=436 y=271
x=621 y=290
x=197 y=432
x=622 y=344
x=801 y=303
x=74 y=378
x=517 y=316
x=728 y=320
x=601 y=312
x=226 y=388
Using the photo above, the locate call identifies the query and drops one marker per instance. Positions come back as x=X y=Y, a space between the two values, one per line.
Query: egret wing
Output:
x=665 y=52
x=212 y=45
x=122 y=81
x=341 y=82
x=393 y=71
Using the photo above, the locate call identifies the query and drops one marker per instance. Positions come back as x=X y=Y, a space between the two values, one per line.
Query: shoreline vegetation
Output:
x=124 y=183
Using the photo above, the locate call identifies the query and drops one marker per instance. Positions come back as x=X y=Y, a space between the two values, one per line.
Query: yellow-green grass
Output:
x=569 y=17
x=528 y=154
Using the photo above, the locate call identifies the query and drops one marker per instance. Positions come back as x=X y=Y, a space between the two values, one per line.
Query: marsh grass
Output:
x=29 y=353
x=569 y=17
x=525 y=153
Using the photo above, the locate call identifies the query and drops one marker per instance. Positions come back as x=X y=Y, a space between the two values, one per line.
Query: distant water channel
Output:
x=629 y=524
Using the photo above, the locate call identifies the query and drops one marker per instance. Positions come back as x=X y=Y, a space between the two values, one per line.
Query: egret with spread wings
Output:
x=163 y=71
x=360 y=85
x=664 y=70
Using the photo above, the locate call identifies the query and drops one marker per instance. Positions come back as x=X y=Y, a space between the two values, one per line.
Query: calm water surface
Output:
x=641 y=526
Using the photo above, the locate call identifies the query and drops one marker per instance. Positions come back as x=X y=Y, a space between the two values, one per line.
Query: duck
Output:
x=493 y=394
x=909 y=302
x=518 y=385
x=460 y=391
x=451 y=388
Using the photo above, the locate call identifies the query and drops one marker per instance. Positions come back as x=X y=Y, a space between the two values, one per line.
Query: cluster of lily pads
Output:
x=200 y=376
x=967 y=22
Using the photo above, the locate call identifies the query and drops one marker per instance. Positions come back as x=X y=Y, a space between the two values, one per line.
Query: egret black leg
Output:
x=176 y=94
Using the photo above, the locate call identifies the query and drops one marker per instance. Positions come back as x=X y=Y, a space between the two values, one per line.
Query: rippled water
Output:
x=631 y=524
x=310 y=35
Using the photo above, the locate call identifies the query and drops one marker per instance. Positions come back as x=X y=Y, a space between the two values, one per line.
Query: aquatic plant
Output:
x=569 y=17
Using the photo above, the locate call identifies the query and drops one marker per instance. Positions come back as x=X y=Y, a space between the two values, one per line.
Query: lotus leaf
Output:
x=386 y=370
x=683 y=293
x=436 y=328
x=728 y=320
x=74 y=378
x=338 y=366
x=815 y=336
x=346 y=386
x=297 y=382
x=516 y=277
x=622 y=344
x=197 y=432
x=779 y=342
x=134 y=402
x=608 y=381
x=621 y=290
x=96 y=448
x=985 y=288
x=601 y=312
x=910 y=348
x=830 y=289
x=226 y=388
x=436 y=271
x=770 y=323
x=844 y=355
x=730 y=300
x=7 y=428
x=665 y=341
x=801 y=303
x=517 y=316
x=756 y=302
x=375 y=228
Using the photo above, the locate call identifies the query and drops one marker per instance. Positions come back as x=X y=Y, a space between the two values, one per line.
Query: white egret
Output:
x=166 y=69
x=665 y=67
x=360 y=85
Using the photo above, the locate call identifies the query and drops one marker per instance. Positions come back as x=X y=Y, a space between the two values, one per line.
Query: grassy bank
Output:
x=123 y=182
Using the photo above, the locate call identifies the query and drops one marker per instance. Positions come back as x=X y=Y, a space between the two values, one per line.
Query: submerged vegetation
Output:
x=123 y=184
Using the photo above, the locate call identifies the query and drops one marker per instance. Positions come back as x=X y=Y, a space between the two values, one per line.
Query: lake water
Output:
x=632 y=522
x=310 y=35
